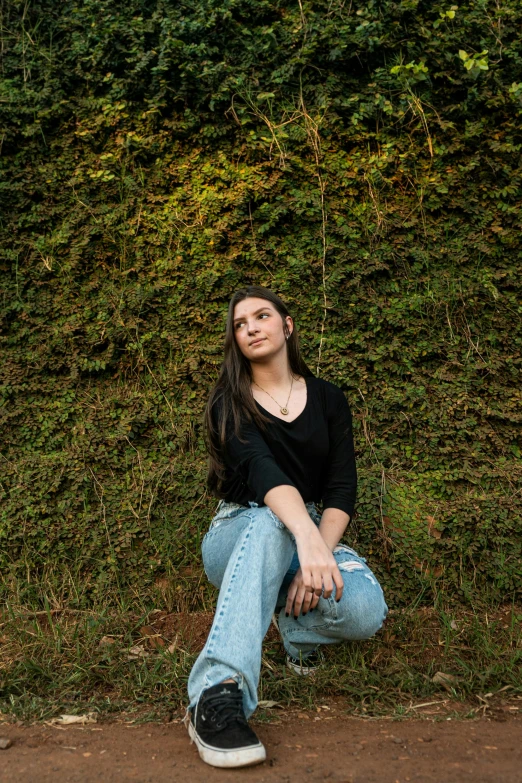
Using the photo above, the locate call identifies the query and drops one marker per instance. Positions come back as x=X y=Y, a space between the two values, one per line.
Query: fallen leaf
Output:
x=448 y=681
x=269 y=704
x=68 y=720
x=426 y=704
x=156 y=642
x=106 y=641
x=86 y=755
x=138 y=651
x=173 y=646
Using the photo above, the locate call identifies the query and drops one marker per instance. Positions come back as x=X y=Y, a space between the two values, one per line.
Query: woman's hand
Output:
x=317 y=574
x=297 y=595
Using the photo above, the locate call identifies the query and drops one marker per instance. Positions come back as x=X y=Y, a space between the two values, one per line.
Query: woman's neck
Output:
x=272 y=377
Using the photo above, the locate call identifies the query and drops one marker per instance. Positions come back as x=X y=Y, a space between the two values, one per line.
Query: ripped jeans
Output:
x=252 y=557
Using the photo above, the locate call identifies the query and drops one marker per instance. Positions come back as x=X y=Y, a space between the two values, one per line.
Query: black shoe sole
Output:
x=218 y=757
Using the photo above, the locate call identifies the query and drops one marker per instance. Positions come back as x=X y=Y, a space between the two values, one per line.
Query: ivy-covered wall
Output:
x=363 y=160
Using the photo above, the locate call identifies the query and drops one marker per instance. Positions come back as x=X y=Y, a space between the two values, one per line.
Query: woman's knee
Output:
x=362 y=615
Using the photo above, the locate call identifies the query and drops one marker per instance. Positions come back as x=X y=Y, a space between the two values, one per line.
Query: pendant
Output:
x=284 y=411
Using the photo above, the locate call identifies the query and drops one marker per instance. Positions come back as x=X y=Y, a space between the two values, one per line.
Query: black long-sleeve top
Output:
x=313 y=453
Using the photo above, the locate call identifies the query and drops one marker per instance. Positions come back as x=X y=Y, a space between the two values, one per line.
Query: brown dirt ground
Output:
x=300 y=747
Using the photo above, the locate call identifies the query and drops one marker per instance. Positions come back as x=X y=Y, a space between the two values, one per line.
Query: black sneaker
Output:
x=304 y=666
x=218 y=725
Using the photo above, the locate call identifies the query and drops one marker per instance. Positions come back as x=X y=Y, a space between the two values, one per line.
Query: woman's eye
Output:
x=238 y=324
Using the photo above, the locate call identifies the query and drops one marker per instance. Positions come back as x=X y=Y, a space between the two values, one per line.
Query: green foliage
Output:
x=362 y=161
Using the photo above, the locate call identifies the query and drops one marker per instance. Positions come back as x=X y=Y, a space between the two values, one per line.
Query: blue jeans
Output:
x=252 y=557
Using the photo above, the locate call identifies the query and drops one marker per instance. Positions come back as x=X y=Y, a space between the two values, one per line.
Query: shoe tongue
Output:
x=223 y=687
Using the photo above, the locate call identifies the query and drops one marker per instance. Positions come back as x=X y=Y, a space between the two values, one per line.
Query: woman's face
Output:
x=257 y=320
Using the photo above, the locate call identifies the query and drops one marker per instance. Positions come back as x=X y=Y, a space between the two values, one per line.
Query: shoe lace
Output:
x=225 y=708
x=312 y=658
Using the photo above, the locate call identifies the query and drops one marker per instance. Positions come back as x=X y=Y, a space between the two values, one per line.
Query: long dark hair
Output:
x=233 y=387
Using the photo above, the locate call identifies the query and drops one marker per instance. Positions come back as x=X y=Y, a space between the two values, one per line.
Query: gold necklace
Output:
x=284 y=410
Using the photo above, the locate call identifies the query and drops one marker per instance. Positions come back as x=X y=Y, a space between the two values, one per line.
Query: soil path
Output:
x=300 y=747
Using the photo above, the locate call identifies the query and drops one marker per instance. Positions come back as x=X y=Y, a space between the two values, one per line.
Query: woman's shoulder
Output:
x=331 y=396
x=327 y=388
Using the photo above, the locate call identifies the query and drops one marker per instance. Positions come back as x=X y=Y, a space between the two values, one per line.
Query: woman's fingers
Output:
x=339 y=583
x=298 y=597
x=304 y=593
x=306 y=589
x=329 y=579
x=292 y=592
x=295 y=597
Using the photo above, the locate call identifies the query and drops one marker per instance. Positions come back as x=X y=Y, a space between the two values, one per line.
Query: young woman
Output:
x=280 y=442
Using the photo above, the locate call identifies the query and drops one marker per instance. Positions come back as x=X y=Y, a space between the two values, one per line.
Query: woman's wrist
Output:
x=332 y=526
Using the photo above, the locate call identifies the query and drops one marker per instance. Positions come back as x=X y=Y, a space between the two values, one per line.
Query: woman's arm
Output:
x=340 y=483
x=252 y=458
x=332 y=525
x=339 y=492
x=287 y=503
x=318 y=571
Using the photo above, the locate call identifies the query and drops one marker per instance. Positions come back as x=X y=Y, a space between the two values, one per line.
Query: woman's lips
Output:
x=261 y=340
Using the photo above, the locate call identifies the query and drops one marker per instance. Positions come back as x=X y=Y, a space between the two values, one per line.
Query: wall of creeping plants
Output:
x=363 y=160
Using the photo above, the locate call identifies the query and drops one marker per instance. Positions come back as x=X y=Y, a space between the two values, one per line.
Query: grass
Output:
x=135 y=660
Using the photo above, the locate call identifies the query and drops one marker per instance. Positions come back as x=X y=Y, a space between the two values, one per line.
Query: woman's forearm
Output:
x=287 y=503
x=332 y=525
